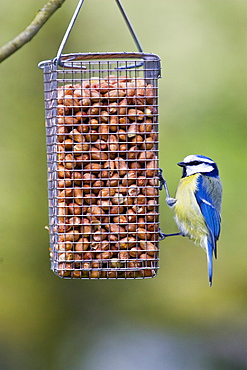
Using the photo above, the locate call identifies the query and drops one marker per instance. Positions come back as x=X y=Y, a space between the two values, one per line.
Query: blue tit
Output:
x=197 y=204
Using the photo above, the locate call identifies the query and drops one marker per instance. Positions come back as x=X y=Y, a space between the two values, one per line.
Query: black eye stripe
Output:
x=194 y=163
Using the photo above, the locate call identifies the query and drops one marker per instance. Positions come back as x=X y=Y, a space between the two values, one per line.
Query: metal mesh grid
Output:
x=102 y=151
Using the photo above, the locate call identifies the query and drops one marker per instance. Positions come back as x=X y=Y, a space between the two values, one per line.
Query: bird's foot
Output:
x=163 y=235
x=170 y=201
x=161 y=179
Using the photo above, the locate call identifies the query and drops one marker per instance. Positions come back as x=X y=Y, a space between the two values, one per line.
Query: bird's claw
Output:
x=161 y=235
x=161 y=179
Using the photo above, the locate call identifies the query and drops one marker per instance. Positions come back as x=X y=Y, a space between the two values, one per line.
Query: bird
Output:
x=197 y=204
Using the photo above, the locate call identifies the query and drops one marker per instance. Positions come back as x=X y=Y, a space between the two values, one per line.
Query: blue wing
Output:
x=208 y=196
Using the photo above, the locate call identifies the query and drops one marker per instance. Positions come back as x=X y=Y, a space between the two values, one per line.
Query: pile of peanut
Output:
x=107 y=179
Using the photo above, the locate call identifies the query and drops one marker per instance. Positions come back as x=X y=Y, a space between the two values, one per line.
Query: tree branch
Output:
x=39 y=20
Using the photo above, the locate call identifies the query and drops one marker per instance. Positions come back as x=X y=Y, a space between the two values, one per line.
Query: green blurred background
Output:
x=174 y=321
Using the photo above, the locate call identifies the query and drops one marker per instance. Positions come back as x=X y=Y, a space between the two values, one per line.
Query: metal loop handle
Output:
x=71 y=24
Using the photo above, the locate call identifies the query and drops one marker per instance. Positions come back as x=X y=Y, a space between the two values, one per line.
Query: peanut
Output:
x=113 y=143
x=98 y=155
x=121 y=165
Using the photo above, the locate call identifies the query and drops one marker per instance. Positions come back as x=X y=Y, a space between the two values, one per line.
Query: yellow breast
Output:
x=188 y=215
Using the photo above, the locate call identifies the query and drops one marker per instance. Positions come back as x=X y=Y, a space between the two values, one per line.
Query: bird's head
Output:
x=196 y=163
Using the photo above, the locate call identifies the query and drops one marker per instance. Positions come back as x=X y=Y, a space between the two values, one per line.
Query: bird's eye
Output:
x=194 y=163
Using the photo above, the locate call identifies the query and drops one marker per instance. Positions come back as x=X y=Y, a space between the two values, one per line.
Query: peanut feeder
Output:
x=102 y=154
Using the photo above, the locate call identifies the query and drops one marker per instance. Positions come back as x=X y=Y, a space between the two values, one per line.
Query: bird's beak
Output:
x=181 y=164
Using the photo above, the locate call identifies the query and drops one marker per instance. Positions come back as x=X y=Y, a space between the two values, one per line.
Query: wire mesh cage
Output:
x=102 y=153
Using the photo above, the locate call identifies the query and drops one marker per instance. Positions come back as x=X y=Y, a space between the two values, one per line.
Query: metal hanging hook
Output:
x=71 y=24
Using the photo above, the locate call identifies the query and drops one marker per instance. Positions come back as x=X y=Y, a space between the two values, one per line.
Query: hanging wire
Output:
x=71 y=24
x=67 y=33
x=129 y=26
x=131 y=29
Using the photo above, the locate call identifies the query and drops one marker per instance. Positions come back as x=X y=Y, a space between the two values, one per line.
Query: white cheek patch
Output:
x=202 y=167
